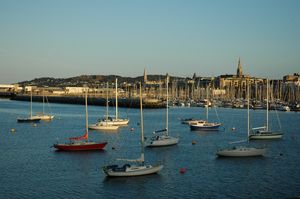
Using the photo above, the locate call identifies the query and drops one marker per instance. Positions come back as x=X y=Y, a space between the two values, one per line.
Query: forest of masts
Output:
x=278 y=91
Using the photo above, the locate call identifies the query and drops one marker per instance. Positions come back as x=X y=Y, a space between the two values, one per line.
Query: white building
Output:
x=75 y=90
x=10 y=87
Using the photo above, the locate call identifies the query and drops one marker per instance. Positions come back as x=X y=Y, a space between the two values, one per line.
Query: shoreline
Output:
x=101 y=101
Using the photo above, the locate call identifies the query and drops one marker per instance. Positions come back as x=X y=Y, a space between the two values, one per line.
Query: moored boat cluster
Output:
x=137 y=167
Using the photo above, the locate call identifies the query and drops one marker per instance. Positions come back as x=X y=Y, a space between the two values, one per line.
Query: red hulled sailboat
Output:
x=81 y=143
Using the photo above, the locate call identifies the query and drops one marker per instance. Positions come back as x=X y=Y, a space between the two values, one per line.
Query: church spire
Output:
x=145 y=76
x=239 y=71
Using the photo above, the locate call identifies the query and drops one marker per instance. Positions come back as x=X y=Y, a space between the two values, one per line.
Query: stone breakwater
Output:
x=129 y=103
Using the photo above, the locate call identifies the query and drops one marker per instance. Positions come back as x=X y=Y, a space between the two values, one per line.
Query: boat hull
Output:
x=168 y=141
x=103 y=127
x=241 y=152
x=134 y=171
x=84 y=146
x=214 y=127
x=265 y=136
x=116 y=122
x=28 y=120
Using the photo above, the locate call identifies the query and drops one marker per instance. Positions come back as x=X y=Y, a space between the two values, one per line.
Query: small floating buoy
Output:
x=34 y=125
x=13 y=130
x=194 y=142
x=182 y=170
x=113 y=148
x=233 y=129
x=132 y=129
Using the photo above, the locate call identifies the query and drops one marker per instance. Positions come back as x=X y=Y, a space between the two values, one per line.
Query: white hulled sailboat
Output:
x=31 y=118
x=242 y=151
x=43 y=115
x=104 y=124
x=162 y=137
x=264 y=132
x=205 y=125
x=117 y=121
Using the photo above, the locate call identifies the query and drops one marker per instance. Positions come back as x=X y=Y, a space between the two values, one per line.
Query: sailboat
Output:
x=116 y=121
x=138 y=169
x=264 y=132
x=31 y=118
x=81 y=143
x=104 y=124
x=204 y=125
x=242 y=151
x=42 y=115
x=162 y=137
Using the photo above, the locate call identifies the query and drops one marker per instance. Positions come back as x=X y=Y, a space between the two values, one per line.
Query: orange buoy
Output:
x=182 y=170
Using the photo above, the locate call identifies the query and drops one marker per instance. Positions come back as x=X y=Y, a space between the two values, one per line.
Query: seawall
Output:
x=129 y=103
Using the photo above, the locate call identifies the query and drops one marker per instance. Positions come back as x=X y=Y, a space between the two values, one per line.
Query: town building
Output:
x=235 y=85
x=292 y=79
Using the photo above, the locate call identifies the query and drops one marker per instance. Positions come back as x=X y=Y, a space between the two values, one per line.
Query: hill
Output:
x=90 y=80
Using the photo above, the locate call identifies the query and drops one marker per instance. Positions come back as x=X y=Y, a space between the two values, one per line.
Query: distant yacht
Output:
x=43 y=115
x=114 y=121
x=264 y=132
x=204 y=125
x=117 y=121
x=104 y=124
x=31 y=118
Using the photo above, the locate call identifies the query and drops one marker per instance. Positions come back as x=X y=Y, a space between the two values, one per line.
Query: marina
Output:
x=149 y=99
x=191 y=168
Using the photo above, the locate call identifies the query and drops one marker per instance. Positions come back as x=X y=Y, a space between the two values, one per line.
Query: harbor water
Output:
x=31 y=168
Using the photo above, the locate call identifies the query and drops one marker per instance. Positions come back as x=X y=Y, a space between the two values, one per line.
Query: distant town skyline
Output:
x=63 y=39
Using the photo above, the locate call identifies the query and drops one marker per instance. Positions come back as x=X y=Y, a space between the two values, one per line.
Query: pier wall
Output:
x=130 y=103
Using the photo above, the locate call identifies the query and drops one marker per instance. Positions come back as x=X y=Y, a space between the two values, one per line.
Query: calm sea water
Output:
x=30 y=168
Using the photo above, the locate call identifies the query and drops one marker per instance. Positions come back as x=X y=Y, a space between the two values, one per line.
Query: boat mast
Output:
x=248 y=112
x=267 y=104
x=106 y=103
x=142 y=126
x=167 y=111
x=207 y=103
x=43 y=102
x=86 y=112
x=116 y=98
x=31 y=102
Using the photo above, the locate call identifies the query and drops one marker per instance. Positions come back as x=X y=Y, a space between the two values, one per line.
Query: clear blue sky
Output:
x=65 y=38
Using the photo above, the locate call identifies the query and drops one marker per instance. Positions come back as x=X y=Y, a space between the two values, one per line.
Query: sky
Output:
x=66 y=38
